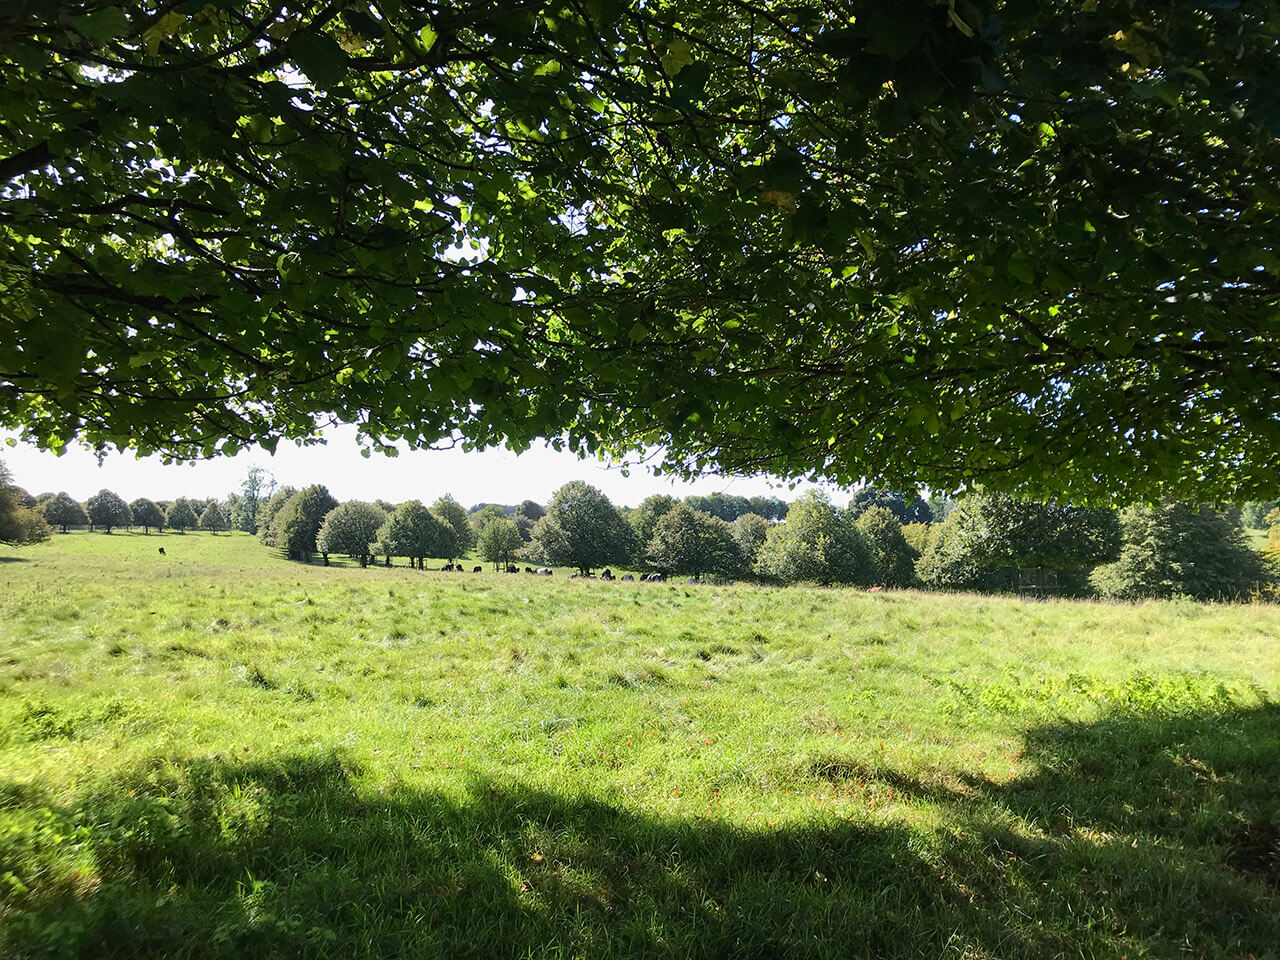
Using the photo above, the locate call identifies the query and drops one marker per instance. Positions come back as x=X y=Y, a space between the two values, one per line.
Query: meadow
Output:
x=217 y=753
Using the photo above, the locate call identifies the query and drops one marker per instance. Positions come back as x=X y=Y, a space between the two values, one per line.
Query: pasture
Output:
x=216 y=753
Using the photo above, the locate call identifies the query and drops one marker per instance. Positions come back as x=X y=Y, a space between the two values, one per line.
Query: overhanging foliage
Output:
x=1030 y=244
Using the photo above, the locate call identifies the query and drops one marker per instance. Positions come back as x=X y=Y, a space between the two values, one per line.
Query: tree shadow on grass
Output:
x=220 y=858
x=15 y=559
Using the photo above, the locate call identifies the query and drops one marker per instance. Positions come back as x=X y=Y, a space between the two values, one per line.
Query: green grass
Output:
x=219 y=754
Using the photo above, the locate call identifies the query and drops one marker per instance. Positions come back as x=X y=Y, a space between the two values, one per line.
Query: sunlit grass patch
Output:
x=238 y=756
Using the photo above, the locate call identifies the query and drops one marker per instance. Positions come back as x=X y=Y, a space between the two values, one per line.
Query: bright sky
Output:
x=491 y=476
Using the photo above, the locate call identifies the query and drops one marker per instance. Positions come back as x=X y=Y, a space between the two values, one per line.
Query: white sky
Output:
x=490 y=476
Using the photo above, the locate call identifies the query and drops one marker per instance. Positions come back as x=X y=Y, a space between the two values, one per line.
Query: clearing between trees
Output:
x=217 y=753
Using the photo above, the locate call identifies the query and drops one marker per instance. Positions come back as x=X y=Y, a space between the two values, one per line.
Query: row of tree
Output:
x=995 y=542
x=108 y=511
x=985 y=541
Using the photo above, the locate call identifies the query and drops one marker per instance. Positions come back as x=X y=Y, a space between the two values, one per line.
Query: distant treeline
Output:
x=981 y=542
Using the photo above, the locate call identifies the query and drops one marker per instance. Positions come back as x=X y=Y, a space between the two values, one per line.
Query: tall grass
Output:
x=216 y=753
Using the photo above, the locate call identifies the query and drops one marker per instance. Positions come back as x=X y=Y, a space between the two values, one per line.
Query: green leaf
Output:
x=1022 y=268
x=235 y=248
x=319 y=56
x=678 y=56
x=103 y=25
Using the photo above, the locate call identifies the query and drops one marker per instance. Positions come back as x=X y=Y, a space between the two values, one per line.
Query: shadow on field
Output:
x=15 y=559
x=1146 y=835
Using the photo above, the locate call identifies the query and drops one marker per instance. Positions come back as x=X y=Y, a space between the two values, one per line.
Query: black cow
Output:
x=512 y=569
x=607 y=574
x=477 y=569
x=528 y=569
x=626 y=578
x=162 y=553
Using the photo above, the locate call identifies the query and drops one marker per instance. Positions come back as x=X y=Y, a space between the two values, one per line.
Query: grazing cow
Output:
x=626 y=578
x=528 y=569
x=875 y=589
x=512 y=569
x=162 y=553
x=544 y=571
x=477 y=569
x=658 y=578
x=606 y=574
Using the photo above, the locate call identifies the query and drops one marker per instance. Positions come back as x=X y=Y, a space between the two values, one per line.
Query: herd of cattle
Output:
x=605 y=574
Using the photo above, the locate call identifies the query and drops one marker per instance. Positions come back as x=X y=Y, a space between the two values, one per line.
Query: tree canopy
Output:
x=452 y=513
x=62 y=511
x=213 y=518
x=499 y=540
x=349 y=528
x=689 y=541
x=20 y=523
x=107 y=509
x=413 y=531
x=1177 y=549
x=905 y=508
x=817 y=543
x=298 y=522
x=146 y=514
x=894 y=559
x=1027 y=244
x=181 y=516
x=990 y=537
x=581 y=528
x=269 y=510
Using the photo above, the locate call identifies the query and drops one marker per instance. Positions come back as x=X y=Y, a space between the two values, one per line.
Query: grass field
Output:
x=219 y=754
